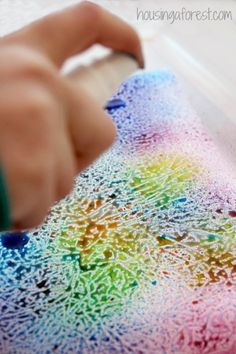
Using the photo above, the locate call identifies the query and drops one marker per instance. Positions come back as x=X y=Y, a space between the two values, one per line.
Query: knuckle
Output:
x=91 y=10
x=39 y=104
x=35 y=169
x=8 y=51
x=29 y=62
x=37 y=68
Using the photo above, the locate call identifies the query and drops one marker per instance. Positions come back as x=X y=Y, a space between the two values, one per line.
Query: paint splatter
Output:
x=14 y=240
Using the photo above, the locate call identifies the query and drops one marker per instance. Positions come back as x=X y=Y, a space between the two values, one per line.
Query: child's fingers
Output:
x=37 y=158
x=92 y=130
x=71 y=31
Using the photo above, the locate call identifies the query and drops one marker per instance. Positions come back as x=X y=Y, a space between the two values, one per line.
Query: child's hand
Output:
x=48 y=130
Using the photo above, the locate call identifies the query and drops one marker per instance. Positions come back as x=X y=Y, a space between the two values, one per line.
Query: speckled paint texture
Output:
x=140 y=258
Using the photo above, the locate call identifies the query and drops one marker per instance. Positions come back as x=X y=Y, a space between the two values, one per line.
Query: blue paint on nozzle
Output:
x=115 y=104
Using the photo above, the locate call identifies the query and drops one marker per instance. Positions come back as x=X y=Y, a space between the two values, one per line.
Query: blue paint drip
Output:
x=115 y=104
x=14 y=240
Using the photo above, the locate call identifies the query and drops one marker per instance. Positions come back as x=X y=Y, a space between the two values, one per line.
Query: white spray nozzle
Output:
x=102 y=78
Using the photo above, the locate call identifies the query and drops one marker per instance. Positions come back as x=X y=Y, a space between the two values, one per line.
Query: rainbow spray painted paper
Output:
x=141 y=257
